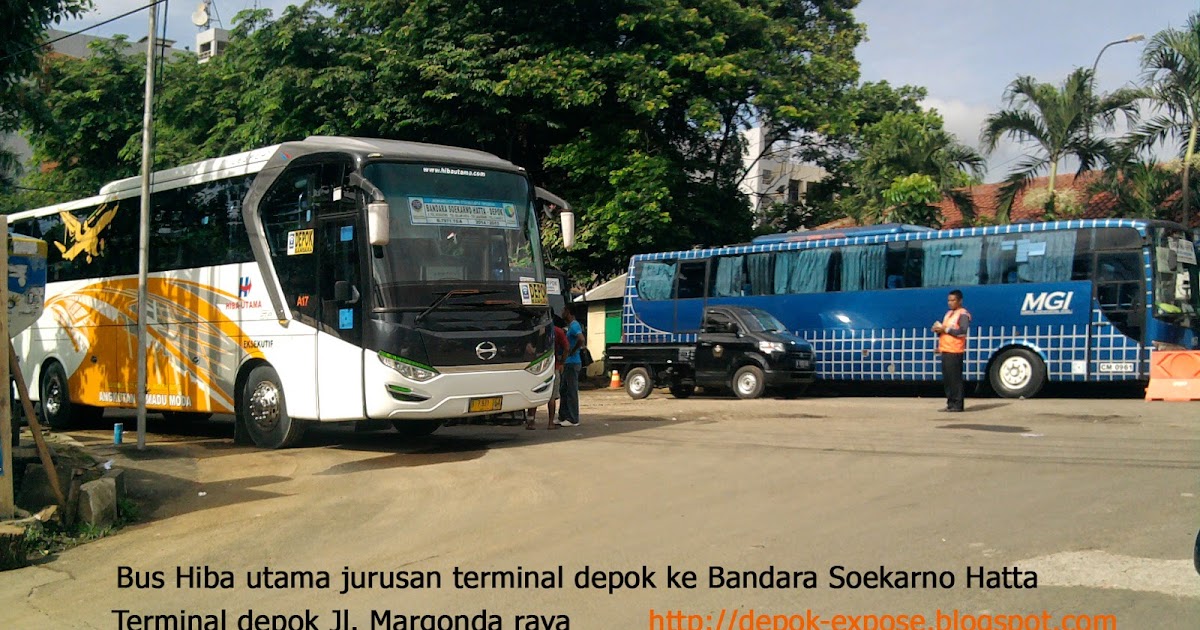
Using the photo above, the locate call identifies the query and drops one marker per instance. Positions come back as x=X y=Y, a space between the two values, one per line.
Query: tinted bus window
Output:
x=951 y=262
x=692 y=276
x=1030 y=257
x=863 y=267
x=655 y=279
x=802 y=271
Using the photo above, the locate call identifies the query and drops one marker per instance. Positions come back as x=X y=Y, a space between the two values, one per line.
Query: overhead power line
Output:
x=81 y=31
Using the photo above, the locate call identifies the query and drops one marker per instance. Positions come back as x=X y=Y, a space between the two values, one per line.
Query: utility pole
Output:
x=144 y=228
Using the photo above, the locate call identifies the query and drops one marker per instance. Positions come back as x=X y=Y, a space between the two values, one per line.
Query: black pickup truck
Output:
x=743 y=349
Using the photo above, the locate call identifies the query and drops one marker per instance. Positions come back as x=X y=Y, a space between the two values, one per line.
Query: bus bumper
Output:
x=390 y=396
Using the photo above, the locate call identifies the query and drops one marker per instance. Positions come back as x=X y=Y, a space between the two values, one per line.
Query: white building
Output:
x=773 y=173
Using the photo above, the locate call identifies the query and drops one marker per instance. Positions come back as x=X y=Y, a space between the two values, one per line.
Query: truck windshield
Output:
x=762 y=321
x=1176 y=289
x=453 y=228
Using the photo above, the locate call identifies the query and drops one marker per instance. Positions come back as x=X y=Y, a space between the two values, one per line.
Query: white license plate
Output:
x=801 y=364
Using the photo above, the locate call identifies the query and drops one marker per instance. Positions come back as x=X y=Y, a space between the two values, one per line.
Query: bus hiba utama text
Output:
x=1075 y=301
x=328 y=279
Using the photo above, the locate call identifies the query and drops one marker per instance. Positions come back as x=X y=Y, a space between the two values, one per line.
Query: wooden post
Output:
x=35 y=427
x=7 y=504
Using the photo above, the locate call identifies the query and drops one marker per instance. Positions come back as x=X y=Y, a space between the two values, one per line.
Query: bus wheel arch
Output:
x=54 y=393
x=1016 y=371
x=261 y=416
x=639 y=382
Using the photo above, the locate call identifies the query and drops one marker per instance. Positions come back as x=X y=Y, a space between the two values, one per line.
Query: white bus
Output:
x=329 y=279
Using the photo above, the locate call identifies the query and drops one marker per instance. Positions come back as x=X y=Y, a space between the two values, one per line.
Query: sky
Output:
x=964 y=52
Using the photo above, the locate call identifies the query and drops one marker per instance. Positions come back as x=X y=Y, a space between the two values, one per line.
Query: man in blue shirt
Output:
x=568 y=410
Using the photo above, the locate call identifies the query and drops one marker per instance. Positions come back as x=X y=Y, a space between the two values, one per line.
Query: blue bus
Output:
x=1073 y=301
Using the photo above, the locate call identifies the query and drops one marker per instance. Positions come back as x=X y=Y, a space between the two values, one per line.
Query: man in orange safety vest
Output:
x=952 y=345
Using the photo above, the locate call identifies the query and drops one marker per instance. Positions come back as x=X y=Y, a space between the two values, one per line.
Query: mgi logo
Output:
x=1047 y=303
x=244 y=287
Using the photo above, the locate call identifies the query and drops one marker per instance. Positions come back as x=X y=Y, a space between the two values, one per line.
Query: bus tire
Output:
x=57 y=409
x=264 y=411
x=748 y=382
x=1017 y=373
x=638 y=383
x=415 y=428
x=683 y=390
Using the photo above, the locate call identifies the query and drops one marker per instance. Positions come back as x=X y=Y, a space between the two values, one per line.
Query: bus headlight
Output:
x=408 y=369
x=540 y=364
x=770 y=346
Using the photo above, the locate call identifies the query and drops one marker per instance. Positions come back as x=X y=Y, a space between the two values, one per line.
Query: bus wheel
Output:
x=749 y=382
x=638 y=383
x=265 y=413
x=683 y=390
x=416 y=428
x=57 y=409
x=1017 y=373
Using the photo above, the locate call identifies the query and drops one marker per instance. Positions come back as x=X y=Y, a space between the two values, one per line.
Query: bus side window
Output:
x=691 y=280
x=287 y=212
x=914 y=265
x=895 y=265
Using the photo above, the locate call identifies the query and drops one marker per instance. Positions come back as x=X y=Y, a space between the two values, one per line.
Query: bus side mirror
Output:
x=378 y=224
x=568 y=228
x=565 y=215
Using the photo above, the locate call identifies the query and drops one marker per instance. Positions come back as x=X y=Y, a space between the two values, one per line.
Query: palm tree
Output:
x=1171 y=65
x=1061 y=121
x=902 y=145
x=1141 y=188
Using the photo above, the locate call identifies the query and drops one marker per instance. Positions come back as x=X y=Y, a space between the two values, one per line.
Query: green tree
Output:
x=85 y=112
x=1171 y=65
x=902 y=156
x=22 y=26
x=1061 y=121
x=1142 y=188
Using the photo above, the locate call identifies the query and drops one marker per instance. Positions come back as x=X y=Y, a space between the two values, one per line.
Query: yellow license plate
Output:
x=491 y=403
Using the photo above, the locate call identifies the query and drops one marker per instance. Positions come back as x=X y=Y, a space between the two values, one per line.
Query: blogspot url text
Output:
x=738 y=619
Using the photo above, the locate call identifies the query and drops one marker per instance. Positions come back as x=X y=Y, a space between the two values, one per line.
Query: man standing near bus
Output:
x=952 y=345
x=568 y=409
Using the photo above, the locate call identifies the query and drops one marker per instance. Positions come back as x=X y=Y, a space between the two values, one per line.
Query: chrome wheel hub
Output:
x=637 y=384
x=54 y=401
x=264 y=405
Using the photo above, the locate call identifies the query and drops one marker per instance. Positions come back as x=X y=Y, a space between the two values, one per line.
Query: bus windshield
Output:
x=453 y=227
x=1176 y=290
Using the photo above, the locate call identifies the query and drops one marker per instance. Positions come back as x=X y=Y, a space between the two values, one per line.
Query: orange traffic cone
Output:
x=615 y=383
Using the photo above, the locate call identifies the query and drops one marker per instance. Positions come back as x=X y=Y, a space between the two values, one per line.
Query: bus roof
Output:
x=360 y=148
x=861 y=230
x=890 y=232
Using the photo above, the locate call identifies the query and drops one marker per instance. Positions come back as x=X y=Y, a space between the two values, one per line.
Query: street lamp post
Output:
x=1132 y=38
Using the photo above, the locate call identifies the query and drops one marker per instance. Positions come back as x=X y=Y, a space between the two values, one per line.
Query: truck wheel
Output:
x=264 y=411
x=638 y=383
x=57 y=409
x=1017 y=373
x=416 y=428
x=749 y=382
x=682 y=390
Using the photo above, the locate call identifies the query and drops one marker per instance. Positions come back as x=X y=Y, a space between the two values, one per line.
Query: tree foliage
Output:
x=22 y=25
x=912 y=151
x=630 y=109
x=1171 y=65
x=1060 y=121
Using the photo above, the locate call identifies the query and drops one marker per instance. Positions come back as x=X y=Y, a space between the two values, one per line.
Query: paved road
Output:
x=1098 y=498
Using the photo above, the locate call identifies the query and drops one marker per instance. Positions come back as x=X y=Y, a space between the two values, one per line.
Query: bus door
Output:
x=690 y=281
x=1122 y=298
x=339 y=342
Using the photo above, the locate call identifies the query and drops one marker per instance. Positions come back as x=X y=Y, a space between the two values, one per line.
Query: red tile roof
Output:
x=987 y=199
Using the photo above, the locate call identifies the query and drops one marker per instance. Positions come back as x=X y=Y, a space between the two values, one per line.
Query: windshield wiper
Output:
x=446 y=296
